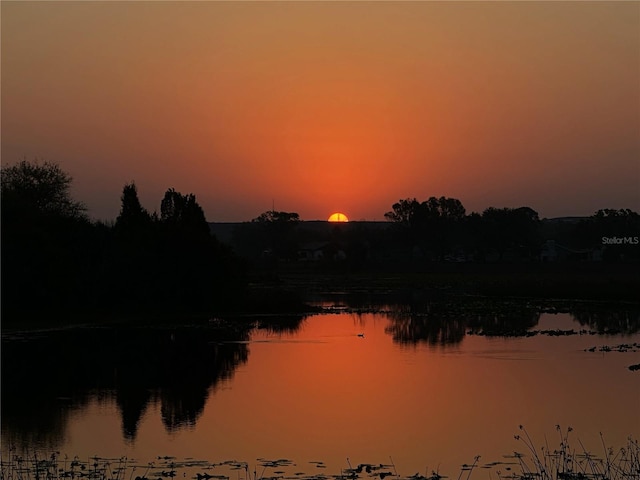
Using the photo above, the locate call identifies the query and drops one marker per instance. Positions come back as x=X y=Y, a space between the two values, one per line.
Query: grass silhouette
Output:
x=565 y=462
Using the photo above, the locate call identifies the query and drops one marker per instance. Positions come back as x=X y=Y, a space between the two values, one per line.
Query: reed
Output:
x=570 y=460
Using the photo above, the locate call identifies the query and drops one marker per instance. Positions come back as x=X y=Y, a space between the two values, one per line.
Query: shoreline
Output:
x=564 y=463
x=290 y=289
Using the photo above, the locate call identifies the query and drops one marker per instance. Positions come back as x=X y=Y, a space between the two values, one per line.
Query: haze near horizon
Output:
x=328 y=106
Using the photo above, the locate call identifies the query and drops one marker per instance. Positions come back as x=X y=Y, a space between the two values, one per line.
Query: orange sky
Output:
x=329 y=106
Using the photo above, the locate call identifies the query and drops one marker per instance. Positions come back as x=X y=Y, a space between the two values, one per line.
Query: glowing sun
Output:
x=338 y=217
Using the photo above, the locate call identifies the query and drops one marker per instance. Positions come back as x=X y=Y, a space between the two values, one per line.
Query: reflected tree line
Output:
x=443 y=323
x=620 y=320
x=55 y=374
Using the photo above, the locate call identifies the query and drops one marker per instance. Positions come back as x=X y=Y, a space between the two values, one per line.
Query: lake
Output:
x=415 y=389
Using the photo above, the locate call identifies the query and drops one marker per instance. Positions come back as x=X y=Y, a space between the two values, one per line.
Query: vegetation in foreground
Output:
x=565 y=462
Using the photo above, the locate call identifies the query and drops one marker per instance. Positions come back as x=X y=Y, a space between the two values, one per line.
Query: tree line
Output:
x=441 y=227
x=55 y=261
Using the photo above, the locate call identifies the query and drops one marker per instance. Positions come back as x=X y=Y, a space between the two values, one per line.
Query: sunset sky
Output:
x=328 y=106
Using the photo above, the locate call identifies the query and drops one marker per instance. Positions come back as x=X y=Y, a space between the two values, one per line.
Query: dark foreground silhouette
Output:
x=57 y=264
x=59 y=267
x=566 y=461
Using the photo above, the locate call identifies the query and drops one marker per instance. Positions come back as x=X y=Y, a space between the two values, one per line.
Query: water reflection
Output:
x=447 y=324
x=622 y=320
x=286 y=324
x=416 y=328
x=47 y=377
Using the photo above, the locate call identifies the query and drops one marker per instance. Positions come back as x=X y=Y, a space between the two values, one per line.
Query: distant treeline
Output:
x=439 y=229
x=440 y=226
x=55 y=262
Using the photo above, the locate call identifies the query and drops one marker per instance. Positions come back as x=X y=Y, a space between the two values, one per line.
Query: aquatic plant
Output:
x=569 y=463
x=566 y=462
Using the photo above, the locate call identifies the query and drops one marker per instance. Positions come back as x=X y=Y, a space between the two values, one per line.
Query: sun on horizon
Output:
x=338 y=217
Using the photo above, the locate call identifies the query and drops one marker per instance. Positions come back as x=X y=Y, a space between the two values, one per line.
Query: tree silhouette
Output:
x=38 y=189
x=196 y=270
x=279 y=218
x=411 y=213
x=404 y=212
x=510 y=228
x=48 y=247
x=276 y=229
x=183 y=212
x=444 y=208
x=133 y=251
x=433 y=224
x=132 y=214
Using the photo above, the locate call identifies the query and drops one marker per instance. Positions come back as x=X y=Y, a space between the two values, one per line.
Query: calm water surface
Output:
x=370 y=387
